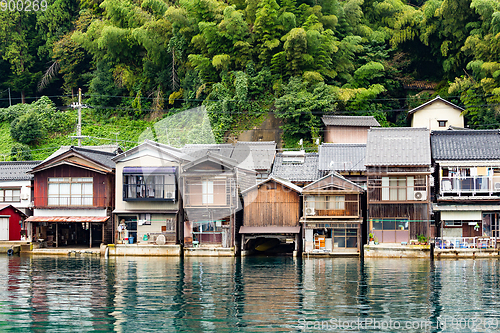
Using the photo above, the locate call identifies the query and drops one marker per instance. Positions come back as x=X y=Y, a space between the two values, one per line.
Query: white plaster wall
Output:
x=25 y=192
x=428 y=116
x=69 y=212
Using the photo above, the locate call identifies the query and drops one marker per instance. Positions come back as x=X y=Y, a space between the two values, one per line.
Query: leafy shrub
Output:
x=27 y=128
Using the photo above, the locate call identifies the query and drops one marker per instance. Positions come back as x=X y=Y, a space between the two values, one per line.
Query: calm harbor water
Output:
x=257 y=294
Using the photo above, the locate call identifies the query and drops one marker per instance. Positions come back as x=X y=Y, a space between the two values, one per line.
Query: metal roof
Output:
x=342 y=157
x=398 y=146
x=200 y=150
x=364 y=121
x=433 y=101
x=16 y=170
x=65 y=219
x=254 y=155
x=465 y=145
x=297 y=172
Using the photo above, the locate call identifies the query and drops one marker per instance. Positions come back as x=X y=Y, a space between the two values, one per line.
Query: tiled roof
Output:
x=255 y=155
x=100 y=156
x=433 y=101
x=300 y=172
x=17 y=170
x=398 y=146
x=366 y=121
x=342 y=157
x=465 y=145
x=200 y=150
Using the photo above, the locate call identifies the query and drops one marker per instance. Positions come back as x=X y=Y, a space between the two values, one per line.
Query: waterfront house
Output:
x=467 y=185
x=348 y=159
x=333 y=215
x=398 y=166
x=210 y=192
x=148 y=200
x=16 y=187
x=437 y=114
x=74 y=197
x=11 y=222
x=298 y=167
x=348 y=129
x=271 y=217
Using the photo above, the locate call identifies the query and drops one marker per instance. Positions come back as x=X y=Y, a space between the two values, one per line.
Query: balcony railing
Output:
x=466 y=242
x=470 y=185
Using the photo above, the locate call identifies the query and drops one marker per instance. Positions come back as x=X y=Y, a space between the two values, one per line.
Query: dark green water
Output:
x=134 y=294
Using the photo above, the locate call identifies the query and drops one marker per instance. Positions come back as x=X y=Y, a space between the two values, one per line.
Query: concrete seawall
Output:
x=397 y=251
x=142 y=250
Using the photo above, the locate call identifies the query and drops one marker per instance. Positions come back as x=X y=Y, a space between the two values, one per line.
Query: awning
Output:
x=461 y=215
x=451 y=208
x=149 y=170
x=68 y=219
x=269 y=230
x=145 y=211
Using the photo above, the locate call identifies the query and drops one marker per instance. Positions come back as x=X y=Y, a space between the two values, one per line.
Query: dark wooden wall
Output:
x=267 y=206
x=103 y=186
x=412 y=212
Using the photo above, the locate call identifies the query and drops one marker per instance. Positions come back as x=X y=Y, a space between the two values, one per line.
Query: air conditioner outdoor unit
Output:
x=25 y=196
x=310 y=211
x=420 y=195
x=497 y=186
x=170 y=195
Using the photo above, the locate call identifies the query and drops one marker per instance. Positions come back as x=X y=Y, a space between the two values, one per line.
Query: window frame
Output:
x=85 y=199
x=13 y=197
x=145 y=187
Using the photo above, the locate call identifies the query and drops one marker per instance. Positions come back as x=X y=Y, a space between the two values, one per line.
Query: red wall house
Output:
x=15 y=216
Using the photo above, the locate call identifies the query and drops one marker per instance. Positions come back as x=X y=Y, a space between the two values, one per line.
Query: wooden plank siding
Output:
x=410 y=211
x=271 y=204
x=103 y=185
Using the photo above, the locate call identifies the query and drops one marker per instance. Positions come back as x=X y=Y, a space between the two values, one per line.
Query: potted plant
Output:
x=370 y=236
x=376 y=240
x=422 y=240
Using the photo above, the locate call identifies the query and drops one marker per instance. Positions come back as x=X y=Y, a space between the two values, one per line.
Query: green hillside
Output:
x=145 y=60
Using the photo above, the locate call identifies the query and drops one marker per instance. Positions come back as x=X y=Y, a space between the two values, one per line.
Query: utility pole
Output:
x=10 y=101
x=79 y=127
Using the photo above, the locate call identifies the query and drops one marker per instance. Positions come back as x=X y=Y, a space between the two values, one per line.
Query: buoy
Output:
x=10 y=252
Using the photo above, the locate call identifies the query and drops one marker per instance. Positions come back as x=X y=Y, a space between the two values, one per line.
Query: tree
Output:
x=27 y=129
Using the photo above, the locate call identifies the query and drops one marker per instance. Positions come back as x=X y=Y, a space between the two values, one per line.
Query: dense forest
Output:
x=149 y=59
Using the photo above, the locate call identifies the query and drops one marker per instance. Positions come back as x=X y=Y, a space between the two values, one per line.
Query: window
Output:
x=207 y=188
x=149 y=187
x=442 y=123
x=401 y=188
x=10 y=195
x=69 y=191
x=326 y=202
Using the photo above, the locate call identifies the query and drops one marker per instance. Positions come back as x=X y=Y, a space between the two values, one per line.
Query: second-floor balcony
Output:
x=470 y=185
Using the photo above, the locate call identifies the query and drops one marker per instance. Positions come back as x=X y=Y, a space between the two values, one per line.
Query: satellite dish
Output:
x=160 y=240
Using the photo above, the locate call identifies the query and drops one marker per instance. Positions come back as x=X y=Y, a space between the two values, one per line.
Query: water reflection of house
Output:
x=271 y=217
x=74 y=197
x=333 y=215
x=148 y=200
x=398 y=162
x=210 y=192
x=467 y=182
